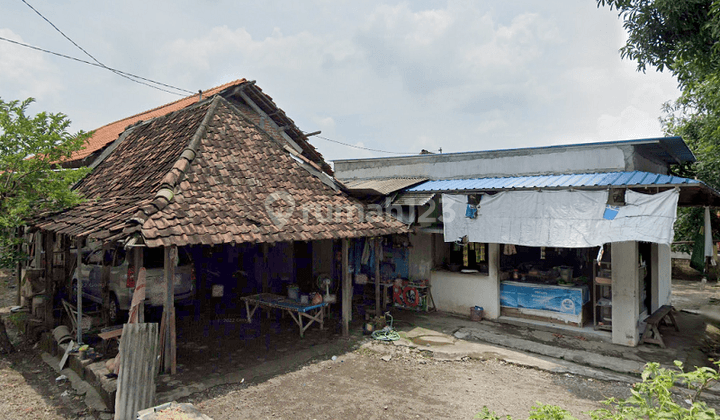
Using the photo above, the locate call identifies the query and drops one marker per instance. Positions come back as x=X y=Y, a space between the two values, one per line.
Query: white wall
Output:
x=420 y=256
x=661 y=276
x=625 y=293
x=458 y=292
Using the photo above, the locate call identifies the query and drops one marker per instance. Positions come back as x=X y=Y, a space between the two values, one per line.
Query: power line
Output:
x=364 y=148
x=127 y=76
x=92 y=64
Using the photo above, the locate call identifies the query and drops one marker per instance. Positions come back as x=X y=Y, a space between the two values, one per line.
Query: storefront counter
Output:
x=553 y=303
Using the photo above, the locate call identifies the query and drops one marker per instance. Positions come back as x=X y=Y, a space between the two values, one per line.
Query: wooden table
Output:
x=298 y=311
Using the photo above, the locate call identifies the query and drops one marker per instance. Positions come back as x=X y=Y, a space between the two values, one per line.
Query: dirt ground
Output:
x=375 y=381
x=365 y=384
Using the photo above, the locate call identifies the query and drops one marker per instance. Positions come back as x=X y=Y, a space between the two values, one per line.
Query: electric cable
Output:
x=364 y=148
x=87 y=62
x=119 y=73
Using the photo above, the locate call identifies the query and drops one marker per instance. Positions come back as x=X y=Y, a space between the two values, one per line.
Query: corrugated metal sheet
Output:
x=610 y=179
x=138 y=364
x=382 y=186
x=413 y=199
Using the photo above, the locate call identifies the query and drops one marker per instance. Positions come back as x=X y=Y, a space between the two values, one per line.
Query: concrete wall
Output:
x=458 y=292
x=420 y=256
x=625 y=293
x=536 y=161
x=661 y=276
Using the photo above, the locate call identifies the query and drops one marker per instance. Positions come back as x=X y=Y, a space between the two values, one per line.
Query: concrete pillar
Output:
x=625 y=293
x=493 y=257
x=660 y=276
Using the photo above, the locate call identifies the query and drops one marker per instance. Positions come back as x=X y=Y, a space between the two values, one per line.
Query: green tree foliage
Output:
x=651 y=399
x=683 y=37
x=31 y=182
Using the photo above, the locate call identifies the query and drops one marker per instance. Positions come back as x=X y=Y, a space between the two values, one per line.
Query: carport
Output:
x=243 y=198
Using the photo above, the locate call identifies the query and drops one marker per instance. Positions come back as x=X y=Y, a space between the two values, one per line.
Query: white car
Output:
x=122 y=278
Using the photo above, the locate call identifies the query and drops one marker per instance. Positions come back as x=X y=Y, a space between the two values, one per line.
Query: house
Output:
x=574 y=234
x=230 y=178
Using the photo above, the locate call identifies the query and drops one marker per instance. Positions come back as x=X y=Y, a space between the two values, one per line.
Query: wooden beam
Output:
x=168 y=310
x=139 y=264
x=49 y=289
x=78 y=246
x=105 y=283
x=378 y=310
x=346 y=290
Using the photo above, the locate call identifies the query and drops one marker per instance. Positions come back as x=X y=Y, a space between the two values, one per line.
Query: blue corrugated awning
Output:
x=589 y=180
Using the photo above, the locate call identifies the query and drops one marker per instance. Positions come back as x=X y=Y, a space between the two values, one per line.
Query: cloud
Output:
x=25 y=72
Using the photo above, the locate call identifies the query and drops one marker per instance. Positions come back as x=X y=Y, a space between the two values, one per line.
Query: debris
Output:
x=386 y=358
x=334 y=358
x=61 y=379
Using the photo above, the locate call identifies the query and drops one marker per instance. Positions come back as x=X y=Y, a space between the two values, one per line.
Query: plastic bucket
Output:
x=476 y=313
x=62 y=334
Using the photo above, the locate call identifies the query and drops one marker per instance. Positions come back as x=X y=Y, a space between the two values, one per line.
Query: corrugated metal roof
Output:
x=413 y=199
x=614 y=179
x=382 y=186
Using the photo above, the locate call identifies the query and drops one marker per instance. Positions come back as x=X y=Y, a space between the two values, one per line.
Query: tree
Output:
x=31 y=181
x=683 y=37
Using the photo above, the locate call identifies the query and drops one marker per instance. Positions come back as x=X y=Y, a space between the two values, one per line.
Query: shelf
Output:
x=603 y=280
x=605 y=302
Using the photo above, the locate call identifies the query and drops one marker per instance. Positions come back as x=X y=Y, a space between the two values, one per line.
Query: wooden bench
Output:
x=652 y=334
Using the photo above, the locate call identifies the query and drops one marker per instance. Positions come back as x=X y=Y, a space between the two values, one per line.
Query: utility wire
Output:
x=364 y=148
x=90 y=63
x=128 y=76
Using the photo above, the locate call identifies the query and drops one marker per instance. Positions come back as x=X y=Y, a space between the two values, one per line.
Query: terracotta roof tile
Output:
x=223 y=195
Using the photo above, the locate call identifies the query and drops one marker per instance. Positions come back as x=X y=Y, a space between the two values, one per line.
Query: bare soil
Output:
x=29 y=388
x=365 y=384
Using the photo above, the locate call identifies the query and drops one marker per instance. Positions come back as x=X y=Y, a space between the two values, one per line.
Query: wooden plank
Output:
x=170 y=256
x=136 y=378
x=105 y=285
x=346 y=290
x=139 y=264
x=79 y=242
x=515 y=313
x=49 y=289
x=173 y=343
x=378 y=310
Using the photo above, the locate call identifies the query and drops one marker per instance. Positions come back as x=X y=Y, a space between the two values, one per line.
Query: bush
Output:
x=651 y=399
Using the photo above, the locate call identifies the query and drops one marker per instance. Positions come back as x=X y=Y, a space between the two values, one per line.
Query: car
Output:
x=123 y=276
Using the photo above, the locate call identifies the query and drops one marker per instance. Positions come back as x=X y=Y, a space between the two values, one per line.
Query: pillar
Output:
x=625 y=293
x=660 y=276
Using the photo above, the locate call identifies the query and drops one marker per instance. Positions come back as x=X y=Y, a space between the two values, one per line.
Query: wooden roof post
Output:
x=138 y=264
x=378 y=310
x=78 y=287
x=346 y=290
x=49 y=290
x=105 y=282
x=169 y=362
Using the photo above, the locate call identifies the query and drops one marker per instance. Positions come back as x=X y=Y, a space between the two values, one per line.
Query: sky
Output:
x=388 y=75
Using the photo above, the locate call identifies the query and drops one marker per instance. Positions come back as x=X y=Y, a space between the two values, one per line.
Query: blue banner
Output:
x=566 y=300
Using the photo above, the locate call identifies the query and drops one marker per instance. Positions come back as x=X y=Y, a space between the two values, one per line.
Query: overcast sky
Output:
x=396 y=76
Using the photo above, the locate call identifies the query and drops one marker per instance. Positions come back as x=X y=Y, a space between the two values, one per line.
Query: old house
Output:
x=230 y=179
x=575 y=234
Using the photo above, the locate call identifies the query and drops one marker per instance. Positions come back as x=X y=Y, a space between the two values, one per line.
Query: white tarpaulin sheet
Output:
x=568 y=219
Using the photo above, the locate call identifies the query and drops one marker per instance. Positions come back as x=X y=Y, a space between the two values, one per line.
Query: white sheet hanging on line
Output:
x=568 y=219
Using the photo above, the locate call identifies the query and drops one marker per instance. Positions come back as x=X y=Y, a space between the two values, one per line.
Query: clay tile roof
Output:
x=108 y=133
x=207 y=174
